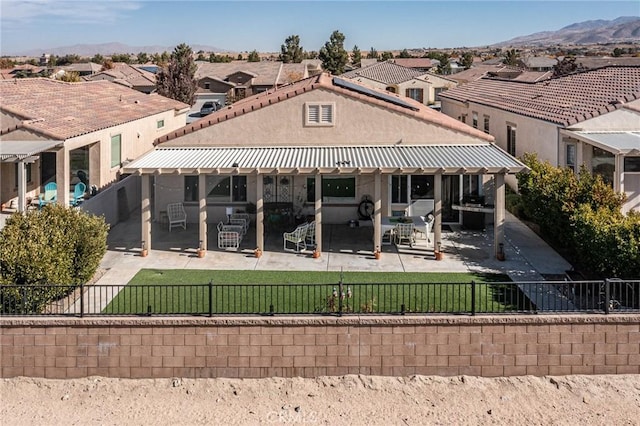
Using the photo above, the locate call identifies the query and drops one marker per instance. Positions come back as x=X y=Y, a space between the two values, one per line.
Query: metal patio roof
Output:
x=12 y=151
x=622 y=142
x=448 y=159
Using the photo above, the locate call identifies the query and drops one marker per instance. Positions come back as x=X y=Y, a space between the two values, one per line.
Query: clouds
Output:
x=84 y=12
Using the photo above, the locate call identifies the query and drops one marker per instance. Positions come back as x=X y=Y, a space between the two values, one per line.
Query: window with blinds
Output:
x=319 y=114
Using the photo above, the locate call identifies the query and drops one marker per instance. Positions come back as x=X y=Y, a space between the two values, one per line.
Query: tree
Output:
x=333 y=55
x=177 y=80
x=143 y=58
x=617 y=52
x=6 y=63
x=107 y=65
x=97 y=59
x=511 y=57
x=467 y=60
x=121 y=57
x=356 y=56
x=69 y=77
x=291 y=52
x=160 y=59
x=566 y=66
x=253 y=56
x=201 y=57
x=404 y=54
x=373 y=54
x=240 y=56
x=386 y=55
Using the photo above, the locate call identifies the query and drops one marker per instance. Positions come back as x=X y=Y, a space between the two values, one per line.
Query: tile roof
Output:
x=385 y=72
x=564 y=100
x=266 y=72
x=121 y=71
x=478 y=71
x=484 y=158
x=62 y=110
x=414 y=62
x=325 y=81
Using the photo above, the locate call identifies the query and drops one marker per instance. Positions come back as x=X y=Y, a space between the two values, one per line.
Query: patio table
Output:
x=388 y=223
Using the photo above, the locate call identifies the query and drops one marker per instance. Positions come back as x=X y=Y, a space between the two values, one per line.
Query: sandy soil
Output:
x=348 y=400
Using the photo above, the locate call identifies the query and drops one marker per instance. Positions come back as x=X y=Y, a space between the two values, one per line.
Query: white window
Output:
x=116 y=150
x=475 y=120
x=319 y=114
x=571 y=156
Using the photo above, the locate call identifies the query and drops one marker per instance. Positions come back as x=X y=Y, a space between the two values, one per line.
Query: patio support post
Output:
x=63 y=180
x=202 y=197
x=618 y=173
x=579 y=154
x=145 y=211
x=259 y=212
x=22 y=186
x=498 y=212
x=377 y=210
x=318 y=208
x=437 y=210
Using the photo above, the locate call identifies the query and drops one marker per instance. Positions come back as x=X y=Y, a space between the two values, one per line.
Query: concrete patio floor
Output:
x=528 y=258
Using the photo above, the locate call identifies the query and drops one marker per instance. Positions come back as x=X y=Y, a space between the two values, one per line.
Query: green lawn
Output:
x=288 y=292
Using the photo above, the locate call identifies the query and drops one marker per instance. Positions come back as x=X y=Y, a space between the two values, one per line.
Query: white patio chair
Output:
x=229 y=239
x=404 y=232
x=297 y=238
x=176 y=215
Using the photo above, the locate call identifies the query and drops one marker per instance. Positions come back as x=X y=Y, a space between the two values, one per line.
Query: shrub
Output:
x=54 y=246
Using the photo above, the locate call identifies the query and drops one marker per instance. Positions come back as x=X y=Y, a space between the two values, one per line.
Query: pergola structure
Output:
x=376 y=161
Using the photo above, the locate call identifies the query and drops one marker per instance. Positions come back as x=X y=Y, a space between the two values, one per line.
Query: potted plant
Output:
x=316 y=254
x=377 y=254
x=201 y=250
x=144 y=252
x=438 y=253
x=257 y=252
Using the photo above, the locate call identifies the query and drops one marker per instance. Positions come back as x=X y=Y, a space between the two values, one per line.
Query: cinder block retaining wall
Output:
x=277 y=346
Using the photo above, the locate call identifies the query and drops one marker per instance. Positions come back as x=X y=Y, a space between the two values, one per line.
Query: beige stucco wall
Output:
x=356 y=123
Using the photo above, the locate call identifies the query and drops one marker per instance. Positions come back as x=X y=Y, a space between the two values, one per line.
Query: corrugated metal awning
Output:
x=12 y=151
x=621 y=142
x=448 y=159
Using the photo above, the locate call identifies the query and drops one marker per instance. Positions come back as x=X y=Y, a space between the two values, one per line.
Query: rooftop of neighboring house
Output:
x=597 y=62
x=266 y=72
x=133 y=76
x=292 y=72
x=564 y=100
x=533 y=76
x=422 y=63
x=11 y=73
x=385 y=72
x=539 y=61
x=326 y=81
x=60 y=110
x=481 y=70
x=83 y=67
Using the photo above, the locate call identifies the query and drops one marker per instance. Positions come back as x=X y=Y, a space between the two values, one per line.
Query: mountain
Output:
x=106 y=49
x=621 y=30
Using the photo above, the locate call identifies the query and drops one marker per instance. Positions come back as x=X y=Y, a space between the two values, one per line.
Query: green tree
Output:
x=373 y=54
x=142 y=58
x=6 y=63
x=566 y=66
x=617 y=52
x=467 y=60
x=404 y=54
x=121 y=57
x=356 y=56
x=511 y=57
x=69 y=77
x=240 y=56
x=177 y=80
x=253 y=56
x=333 y=55
x=312 y=54
x=201 y=57
x=97 y=59
x=386 y=55
x=291 y=52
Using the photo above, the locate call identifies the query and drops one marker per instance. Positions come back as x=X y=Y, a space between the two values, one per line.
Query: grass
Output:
x=261 y=292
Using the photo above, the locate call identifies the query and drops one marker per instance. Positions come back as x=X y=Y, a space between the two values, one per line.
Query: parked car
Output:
x=209 y=107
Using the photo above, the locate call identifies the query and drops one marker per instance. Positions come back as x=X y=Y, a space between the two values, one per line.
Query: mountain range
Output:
x=624 y=29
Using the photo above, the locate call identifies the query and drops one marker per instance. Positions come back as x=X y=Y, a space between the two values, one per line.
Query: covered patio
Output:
x=372 y=166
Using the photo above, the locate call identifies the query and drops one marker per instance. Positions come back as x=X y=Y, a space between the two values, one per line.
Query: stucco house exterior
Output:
x=52 y=131
x=552 y=118
x=416 y=84
x=320 y=147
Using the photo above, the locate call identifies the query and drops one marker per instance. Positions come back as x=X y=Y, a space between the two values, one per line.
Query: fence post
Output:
x=340 y=297
x=210 y=298
x=607 y=296
x=81 y=300
x=473 y=297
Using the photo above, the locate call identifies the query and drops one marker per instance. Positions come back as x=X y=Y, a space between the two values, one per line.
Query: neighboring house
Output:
x=83 y=68
x=538 y=63
x=546 y=117
x=418 y=64
x=236 y=80
x=127 y=75
x=21 y=71
x=482 y=70
x=52 y=131
x=320 y=147
x=421 y=86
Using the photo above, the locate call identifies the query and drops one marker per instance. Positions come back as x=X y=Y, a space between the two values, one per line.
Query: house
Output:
x=83 y=68
x=482 y=70
x=538 y=63
x=418 y=64
x=326 y=147
x=52 y=131
x=546 y=117
x=129 y=76
x=421 y=86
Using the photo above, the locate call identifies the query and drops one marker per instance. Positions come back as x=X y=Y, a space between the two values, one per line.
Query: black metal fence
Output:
x=212 y=299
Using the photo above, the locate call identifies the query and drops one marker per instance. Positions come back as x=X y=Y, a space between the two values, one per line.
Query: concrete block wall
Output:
x=313 y=346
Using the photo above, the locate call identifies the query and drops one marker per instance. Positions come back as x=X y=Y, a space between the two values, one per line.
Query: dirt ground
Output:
x=347 y=400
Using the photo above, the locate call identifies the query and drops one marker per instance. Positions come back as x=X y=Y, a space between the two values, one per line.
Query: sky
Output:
x=242 y=26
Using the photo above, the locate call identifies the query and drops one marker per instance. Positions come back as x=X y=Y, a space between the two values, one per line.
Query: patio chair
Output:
x=78 y=194
x=50 y=195
x=311 y=233
x=405 y=232
x=229 y=239
x=428 y=220
x=244 y=216
x=176 y=215
x=297 y=238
